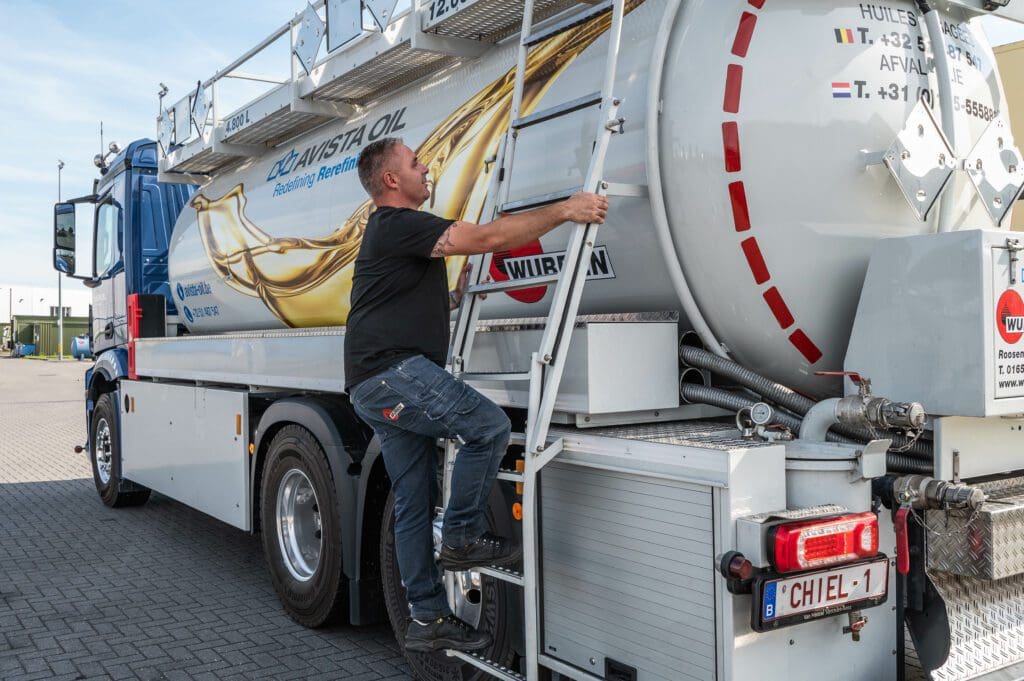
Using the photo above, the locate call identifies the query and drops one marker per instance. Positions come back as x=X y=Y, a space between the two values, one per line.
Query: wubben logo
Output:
x=1010 y=316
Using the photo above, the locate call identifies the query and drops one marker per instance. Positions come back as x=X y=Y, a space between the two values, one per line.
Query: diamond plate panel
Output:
x=987 y=543
x=710 y=434
x=986 y=622
x=277 y=127
x=364 y=81
x=491 y=20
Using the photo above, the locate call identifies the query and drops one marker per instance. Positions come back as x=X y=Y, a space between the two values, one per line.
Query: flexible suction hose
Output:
x=788 y=398
x=767 y=388
x=723 y=399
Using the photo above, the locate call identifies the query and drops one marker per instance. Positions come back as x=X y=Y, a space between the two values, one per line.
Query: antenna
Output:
x=101 y=137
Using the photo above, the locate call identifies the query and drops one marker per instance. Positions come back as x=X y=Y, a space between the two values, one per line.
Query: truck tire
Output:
x=105 y=455
x=301 y=529
x=496 y=601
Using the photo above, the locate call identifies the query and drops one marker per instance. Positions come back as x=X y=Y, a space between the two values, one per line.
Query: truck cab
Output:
x=133 y=217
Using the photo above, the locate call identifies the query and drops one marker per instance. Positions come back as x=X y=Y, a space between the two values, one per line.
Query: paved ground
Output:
x=157 y=592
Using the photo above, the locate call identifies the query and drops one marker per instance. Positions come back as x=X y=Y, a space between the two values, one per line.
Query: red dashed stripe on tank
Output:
x=737 y=191
x=740 y=212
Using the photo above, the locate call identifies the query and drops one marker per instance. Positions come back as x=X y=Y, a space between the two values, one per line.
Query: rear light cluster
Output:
x=822 y=542
x=134 y=326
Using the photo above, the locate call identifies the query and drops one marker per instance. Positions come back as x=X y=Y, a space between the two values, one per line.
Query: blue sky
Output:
x=67 y=65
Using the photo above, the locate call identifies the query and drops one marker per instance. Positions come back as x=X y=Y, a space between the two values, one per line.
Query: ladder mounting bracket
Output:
x=221 y=147
x=452 y=47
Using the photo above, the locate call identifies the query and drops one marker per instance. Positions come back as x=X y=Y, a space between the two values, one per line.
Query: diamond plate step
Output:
x=493 y=668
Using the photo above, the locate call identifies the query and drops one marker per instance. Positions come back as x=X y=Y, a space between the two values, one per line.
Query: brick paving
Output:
x=156 y=592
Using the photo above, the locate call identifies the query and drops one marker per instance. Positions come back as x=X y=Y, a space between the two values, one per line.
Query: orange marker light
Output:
x=238 y=424
x=520 y=467
x=517 y=511
x=252 y=448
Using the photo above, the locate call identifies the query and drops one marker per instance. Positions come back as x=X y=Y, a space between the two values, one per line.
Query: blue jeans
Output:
x=409 y=407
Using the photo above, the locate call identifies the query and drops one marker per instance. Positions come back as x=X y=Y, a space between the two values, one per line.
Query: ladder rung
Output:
x=536 y=201
x=512 y=284
x=556 y=111
x=567 y=24
x=504 y=574
x=619 y=189
x=517 y=439
x=502 y=376
x=514 y=476
x=493 y=668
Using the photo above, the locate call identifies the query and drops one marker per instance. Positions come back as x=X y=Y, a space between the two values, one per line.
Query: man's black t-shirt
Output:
x=399 y=295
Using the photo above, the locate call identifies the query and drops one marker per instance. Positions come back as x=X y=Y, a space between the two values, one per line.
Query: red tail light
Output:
x=809 y=544
x=134 y=324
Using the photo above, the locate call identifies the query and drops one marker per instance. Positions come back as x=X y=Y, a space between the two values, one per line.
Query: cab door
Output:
x=109 y=303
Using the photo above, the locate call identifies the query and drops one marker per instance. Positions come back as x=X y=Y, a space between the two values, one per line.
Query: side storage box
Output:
x=189 y=443
x=626 y=570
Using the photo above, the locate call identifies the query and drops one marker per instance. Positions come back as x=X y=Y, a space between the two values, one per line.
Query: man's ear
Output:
x=390 y=180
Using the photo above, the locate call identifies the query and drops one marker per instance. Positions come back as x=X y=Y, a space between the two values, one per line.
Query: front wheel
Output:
x=105 y=456
x=301 y=530
x=483 y=602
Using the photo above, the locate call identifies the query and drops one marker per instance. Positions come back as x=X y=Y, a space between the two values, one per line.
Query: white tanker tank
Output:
x=746 y=119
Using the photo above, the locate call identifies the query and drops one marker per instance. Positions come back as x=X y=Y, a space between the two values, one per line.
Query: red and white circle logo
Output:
x=1010 y=316
x=502 y=271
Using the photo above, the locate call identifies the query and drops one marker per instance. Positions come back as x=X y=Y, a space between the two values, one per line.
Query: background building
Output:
x=1011 y=66
x=34 y=309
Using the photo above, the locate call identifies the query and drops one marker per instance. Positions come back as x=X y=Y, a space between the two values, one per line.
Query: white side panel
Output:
x=939 y=322
x=632 y=367
x=971 y=447
x=183 y=441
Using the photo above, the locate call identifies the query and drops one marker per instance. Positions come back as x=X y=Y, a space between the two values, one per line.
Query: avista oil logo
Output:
x=350 y=139
x=1010 y=316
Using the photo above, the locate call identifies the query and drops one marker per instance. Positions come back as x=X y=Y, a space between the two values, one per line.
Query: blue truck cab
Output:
x=133 y=217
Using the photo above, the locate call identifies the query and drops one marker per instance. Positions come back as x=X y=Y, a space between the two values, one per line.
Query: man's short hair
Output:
x=371 y=164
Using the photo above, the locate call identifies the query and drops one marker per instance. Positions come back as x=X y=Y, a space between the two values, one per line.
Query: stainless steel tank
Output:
x=746 y=118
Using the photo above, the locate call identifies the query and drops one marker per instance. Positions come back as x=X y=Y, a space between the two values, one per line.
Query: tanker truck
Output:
x=771 y=413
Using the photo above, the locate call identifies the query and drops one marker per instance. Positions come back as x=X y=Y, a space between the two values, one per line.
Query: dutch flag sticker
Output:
x=841 y=91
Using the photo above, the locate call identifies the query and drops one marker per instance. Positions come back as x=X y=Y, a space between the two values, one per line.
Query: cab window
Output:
x=109 y=234
x=108 y=219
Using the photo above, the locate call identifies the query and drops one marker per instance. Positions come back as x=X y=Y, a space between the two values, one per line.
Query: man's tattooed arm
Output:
x=444 y=244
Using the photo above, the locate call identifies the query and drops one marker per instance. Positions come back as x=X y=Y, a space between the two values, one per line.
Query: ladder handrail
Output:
x=569 y=291
x=548 y=364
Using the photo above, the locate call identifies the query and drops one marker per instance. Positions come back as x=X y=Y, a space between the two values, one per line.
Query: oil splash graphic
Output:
x=308 y=282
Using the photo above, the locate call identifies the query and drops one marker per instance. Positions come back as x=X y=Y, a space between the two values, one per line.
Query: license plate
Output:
x=783 y=601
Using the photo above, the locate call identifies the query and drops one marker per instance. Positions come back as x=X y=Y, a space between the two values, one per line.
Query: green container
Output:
x=43 y=332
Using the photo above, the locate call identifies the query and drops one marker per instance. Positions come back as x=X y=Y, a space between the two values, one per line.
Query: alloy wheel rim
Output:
x=299 y=530
x=102 y=451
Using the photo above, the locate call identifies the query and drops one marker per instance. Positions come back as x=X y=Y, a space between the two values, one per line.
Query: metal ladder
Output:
x=548 y=362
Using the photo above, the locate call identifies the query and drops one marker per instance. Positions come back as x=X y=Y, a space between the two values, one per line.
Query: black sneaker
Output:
x=487 y=551
x=444 y=633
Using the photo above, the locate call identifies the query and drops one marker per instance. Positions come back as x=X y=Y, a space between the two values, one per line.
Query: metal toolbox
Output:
x=987 y=543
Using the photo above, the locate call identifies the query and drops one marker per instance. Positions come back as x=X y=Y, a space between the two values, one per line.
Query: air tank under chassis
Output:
x=760 y=117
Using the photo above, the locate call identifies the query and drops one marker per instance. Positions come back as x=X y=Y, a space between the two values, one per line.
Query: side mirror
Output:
x=64 y=238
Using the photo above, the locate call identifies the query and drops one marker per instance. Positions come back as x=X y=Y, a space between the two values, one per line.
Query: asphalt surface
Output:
x=156 y=592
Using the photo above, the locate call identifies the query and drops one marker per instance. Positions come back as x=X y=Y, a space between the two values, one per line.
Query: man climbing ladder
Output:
x=395 y=350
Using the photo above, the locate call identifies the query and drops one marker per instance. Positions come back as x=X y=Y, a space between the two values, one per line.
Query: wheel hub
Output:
x=102 y=451
x=467 y=596
x=299 y=530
